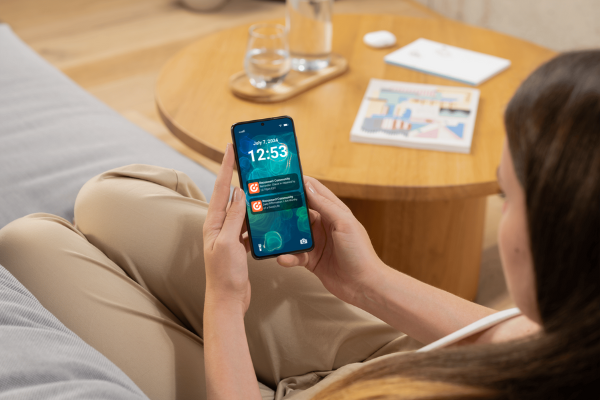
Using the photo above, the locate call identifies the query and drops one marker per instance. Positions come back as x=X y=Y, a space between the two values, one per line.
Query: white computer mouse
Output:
x=380 y=39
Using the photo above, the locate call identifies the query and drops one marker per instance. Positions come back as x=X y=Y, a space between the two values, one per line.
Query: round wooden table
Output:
x=424 y=210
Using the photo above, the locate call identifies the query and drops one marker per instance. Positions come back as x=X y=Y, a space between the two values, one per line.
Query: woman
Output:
x=129 y=279
x=549 y=241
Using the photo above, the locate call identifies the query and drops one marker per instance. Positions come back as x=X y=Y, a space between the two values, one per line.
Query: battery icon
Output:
x=284 y=124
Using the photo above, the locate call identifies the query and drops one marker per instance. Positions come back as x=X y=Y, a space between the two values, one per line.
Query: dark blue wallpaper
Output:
x=271 y=178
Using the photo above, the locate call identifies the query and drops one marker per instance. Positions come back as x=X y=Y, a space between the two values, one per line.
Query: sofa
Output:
x=53 y=138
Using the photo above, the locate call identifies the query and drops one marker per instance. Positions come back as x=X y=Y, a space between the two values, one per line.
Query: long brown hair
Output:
x=553 y=131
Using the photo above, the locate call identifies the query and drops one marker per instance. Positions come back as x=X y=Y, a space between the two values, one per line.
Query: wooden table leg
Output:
x=437 y=242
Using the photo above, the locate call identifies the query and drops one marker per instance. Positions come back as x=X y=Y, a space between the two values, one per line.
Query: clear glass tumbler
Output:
x=309 y=33
x=267 y=59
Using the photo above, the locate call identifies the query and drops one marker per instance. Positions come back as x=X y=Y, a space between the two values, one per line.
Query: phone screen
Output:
x=271 y=175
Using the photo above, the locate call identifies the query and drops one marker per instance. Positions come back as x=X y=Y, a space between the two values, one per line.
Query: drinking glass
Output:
x=309 y=33
x=267 y=59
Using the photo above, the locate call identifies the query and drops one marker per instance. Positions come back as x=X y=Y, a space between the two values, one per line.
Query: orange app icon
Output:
x=256 y=206
x=253 y=188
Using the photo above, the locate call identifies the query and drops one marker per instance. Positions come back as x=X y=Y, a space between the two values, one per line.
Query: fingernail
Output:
x=226 y=150
x=309 y=186
x=238 y=194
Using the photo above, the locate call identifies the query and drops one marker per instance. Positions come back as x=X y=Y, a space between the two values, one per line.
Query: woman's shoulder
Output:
x=499 y=327
x=514 y=328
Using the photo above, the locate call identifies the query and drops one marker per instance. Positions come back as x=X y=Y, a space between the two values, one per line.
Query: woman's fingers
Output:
x=328 y=209
x=245 y=240
x=220 y=197
x=234 y=220
x=293 y=260
x=314 y=216
x=325 y=192
x=244 y=228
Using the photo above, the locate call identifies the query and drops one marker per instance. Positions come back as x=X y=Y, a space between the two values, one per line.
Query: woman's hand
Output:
x=224 y=245
x=347 y=265
x=228 y=366
x=343 y=258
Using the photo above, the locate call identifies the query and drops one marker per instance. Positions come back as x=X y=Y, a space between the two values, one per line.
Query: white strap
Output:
x=472 y=329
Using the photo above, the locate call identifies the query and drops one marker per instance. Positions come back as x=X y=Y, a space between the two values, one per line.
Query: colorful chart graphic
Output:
x=421 y=116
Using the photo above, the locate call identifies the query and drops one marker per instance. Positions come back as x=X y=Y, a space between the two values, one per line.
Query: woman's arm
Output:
x=228 y=367
x=420 y=310
x=347 y=265
x=229 y=371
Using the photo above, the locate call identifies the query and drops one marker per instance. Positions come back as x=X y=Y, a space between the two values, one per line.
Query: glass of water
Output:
x=267 y=59
x=309 y=32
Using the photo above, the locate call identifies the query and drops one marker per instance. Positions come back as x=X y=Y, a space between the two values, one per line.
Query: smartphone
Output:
x=268 y=164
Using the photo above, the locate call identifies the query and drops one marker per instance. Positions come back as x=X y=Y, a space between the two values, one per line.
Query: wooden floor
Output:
x=116 y=48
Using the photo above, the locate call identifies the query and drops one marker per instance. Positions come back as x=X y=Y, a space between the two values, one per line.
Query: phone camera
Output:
x=262 y=124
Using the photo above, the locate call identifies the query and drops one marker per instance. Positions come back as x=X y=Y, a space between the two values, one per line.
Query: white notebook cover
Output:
x=418 y=116
x=449 y=62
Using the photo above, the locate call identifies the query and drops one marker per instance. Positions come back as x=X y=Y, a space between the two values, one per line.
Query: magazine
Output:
x=419 y=116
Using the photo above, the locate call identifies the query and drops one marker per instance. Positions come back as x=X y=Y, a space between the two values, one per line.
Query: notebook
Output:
x=449 y=62
x=418 y=116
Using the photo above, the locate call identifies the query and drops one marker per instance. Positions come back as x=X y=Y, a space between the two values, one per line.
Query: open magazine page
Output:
x=419 y=116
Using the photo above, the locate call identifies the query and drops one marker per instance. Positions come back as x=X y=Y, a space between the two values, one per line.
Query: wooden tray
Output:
x=294 y=84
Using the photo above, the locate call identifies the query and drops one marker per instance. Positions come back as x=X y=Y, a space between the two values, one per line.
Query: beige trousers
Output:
x=129 y=279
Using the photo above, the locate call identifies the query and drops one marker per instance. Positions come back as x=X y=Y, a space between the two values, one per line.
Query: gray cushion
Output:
x=41 y=359
x=54 y=136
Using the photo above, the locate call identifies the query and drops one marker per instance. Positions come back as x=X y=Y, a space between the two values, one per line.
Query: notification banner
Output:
x=276 y=203
x=273 y=184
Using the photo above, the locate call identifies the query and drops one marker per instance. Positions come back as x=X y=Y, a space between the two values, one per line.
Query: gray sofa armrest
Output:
x=42 y=359
x=54 y=136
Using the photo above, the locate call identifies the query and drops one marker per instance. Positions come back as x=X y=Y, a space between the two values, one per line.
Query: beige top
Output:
x=306 y=386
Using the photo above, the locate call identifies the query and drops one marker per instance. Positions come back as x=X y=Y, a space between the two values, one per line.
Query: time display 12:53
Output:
x=273 y=152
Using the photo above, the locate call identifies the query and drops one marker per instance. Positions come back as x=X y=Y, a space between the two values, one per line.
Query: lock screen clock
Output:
x=271 y=175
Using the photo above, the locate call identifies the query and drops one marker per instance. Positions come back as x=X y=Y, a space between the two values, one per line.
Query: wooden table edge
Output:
x=189 y=140
x=362 y=191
